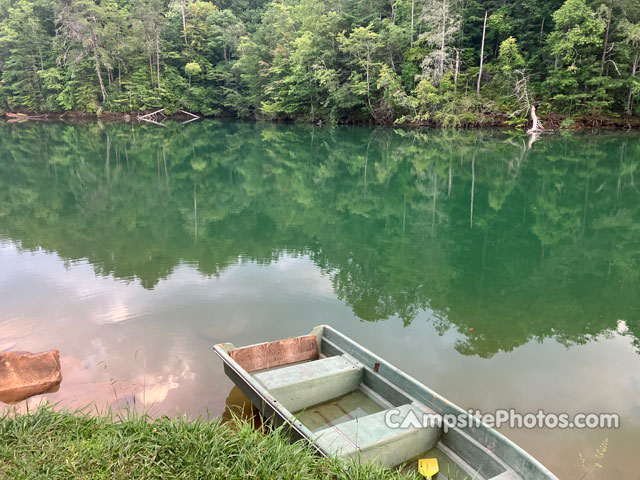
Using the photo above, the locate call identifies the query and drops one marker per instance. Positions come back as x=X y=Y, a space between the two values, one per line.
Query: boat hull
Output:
x=281 y=379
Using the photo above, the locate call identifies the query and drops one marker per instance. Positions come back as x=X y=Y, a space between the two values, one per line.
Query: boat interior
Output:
x=352 y=409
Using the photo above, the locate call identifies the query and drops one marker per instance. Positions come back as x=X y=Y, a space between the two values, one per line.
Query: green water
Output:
x=502 y=275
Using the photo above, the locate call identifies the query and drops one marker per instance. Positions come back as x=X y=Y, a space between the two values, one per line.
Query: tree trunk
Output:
x=35 y=78
x=95 y=57
x=484 y=31
x=367 y=68
x=313 y=118
x=634 y=70
x=119 y=69
x=158 y=56
x=369 y=92
x=184 y=23
x=606 y=38
x=150 y=62
x=455 y=76
x=442 y=43
x=413 y=4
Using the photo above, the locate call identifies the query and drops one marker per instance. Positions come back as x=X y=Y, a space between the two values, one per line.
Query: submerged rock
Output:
x=24 y=374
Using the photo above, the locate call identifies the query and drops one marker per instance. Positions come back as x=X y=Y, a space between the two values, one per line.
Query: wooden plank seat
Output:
x=299 y=386
x=371 y=439
x=274 y=354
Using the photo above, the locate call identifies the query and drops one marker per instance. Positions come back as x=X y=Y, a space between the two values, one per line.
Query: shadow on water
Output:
x=530 y=243
x=238 y=405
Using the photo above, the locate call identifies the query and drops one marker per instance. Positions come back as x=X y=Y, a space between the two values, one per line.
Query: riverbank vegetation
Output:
x=445 y=62
x=64 y=444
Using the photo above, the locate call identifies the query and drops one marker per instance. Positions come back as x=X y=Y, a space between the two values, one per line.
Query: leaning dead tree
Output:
x=521 y=90
x=484 y=33
x=536 y=124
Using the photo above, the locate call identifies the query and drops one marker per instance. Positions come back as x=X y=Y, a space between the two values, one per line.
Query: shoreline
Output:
x=550 y=122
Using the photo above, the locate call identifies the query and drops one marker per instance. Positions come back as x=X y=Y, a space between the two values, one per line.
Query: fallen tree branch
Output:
x=189 y=113
x=156 y=117
x=193 y=119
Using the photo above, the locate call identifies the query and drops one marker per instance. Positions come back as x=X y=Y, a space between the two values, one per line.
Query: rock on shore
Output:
x=24 y=374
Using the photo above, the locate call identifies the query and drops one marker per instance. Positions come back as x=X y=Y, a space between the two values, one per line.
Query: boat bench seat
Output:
x=374 y=438
x=305 y=384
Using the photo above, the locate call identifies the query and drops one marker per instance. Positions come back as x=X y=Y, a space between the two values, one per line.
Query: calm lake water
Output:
x=500 y=274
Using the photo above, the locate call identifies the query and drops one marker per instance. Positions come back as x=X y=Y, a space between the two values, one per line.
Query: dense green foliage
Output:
x=329 y=61
x=53 y=445
x=475 y=227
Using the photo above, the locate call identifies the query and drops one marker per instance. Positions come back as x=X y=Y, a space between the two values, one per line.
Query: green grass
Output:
x=50 y=444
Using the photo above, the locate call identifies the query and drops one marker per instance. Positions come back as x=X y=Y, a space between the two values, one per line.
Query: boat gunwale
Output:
x=478 y=427
x=472 y=432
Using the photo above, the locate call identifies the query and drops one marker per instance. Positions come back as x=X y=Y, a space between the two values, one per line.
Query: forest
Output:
x=443 y=62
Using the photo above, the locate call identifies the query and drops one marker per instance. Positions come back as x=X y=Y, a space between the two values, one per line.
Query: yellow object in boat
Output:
x=428 y=467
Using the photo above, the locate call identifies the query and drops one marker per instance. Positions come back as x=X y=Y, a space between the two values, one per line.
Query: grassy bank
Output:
x=49 y=444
